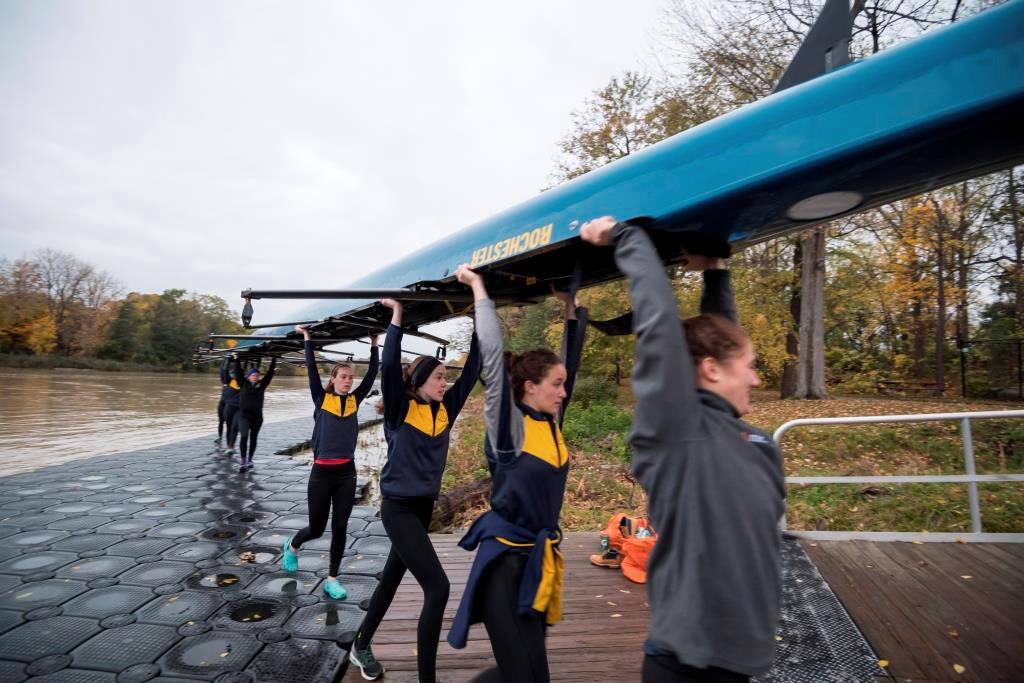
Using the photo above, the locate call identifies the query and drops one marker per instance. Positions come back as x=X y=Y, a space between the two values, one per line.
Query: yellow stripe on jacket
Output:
x=332 y=405
x=421 y=417
x=234 y=385
x=537 y=442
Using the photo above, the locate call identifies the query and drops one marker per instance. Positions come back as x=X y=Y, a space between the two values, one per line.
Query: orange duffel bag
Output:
x=626 y=543
x=620 y=527
x=636 y=550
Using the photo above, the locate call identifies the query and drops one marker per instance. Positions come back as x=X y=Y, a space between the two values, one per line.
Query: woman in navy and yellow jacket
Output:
x=249 y=420
x=227 y=407
x=515 y=585
x=419 y=410
x=333 y=479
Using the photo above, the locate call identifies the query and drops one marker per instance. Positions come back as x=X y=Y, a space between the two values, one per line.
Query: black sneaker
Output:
x=368 y=665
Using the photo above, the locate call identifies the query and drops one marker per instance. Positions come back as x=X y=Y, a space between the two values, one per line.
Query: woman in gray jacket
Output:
x=715 y=484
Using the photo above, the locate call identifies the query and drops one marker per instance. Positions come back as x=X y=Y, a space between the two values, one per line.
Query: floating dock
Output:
x=162 y=565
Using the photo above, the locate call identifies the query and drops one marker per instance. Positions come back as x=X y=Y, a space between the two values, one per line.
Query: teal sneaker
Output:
x=368 y=665
x=334 y=589
x=289 y=560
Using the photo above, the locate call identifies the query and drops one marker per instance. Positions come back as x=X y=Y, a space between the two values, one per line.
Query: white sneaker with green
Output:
x=368 y=665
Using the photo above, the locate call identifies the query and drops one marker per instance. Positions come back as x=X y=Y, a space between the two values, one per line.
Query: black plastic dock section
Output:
x=162 y=565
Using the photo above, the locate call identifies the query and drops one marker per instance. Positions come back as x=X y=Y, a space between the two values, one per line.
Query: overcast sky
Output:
x=214 y=146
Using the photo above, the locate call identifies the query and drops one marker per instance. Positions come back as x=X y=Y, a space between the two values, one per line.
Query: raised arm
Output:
x=459 y=392
x=316 y=386
x=664 y=379
x=268 y=378
x=503 y=420
x=717 y=297
x=371 y=372
x=239 y=372
x=392 y=386
x=225 y=378
x=573 y=337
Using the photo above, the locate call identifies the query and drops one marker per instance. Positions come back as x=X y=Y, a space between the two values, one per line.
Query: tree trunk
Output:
x=811 y=365
x=963 y=266
x=789 y=368
x=918 y=347
x=1018 y=249
x=940 y=309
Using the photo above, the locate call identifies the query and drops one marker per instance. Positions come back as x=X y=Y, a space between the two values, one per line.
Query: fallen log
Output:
x=450 y=504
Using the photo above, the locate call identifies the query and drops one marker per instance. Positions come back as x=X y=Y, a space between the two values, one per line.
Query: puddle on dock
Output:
x=254 y=612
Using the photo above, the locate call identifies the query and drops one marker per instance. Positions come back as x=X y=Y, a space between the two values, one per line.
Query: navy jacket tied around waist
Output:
x=540 y=590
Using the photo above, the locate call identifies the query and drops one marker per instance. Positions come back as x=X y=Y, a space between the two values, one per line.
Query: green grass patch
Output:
x=903 y=507
x=596 y=434
x=600 y=427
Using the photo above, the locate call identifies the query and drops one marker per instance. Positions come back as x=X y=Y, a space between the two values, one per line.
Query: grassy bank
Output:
x=599 y=482
x=15 y=360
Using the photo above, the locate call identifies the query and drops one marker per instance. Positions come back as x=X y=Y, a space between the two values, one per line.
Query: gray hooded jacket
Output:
x=715 y=485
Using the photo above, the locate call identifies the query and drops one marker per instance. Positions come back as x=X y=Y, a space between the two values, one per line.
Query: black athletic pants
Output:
x=220 y=418
x=329 y=486
x=406 y=522
x=517 y=641
x=668 y=669
x=248 y=429
x=231 y=419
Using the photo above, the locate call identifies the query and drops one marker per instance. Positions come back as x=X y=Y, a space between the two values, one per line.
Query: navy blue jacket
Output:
x=251 y=395
x=229 y=392
x=419 y=431
x=336 y=417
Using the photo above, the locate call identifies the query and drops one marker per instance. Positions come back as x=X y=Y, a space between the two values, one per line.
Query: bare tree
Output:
x=75 y=292
x=615 y=122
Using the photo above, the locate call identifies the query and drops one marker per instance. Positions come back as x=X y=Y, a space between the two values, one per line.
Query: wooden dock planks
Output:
x=917 y=610
x=910 y=601
x=587 y=645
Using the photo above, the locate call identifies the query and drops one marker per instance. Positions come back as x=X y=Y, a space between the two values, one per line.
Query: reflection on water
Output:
x=371 y=454
x=52 y=416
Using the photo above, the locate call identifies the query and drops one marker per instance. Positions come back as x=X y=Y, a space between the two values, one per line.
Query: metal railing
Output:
x=971 y=477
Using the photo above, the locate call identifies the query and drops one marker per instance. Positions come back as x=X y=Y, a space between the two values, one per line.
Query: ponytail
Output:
x=713 y=336
x=529 y=366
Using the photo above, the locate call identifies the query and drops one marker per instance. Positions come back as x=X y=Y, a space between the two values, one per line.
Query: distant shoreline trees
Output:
x=54 y=304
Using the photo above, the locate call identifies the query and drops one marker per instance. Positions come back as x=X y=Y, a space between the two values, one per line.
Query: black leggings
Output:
x=668 y=669
x=406 y=522
x=329 y=486
x=220 y=418
x=231 y=420
x=517 y=641
x=249 y=429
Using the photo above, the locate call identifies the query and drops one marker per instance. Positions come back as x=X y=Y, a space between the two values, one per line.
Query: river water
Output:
x=53 y=416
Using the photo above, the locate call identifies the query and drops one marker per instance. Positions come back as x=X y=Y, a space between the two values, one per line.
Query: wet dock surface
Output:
x=162 y=565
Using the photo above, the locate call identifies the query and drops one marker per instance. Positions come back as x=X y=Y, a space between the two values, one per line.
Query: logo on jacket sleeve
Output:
x=755 y=438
